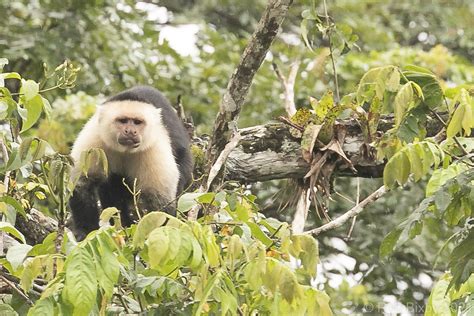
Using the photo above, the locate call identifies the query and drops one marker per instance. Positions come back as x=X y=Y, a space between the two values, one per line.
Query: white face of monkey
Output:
x=126 y=126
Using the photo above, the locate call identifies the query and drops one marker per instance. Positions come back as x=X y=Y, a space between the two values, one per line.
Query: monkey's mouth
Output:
x=129 y=142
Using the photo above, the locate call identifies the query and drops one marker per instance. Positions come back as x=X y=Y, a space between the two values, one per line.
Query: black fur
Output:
x=91 y=194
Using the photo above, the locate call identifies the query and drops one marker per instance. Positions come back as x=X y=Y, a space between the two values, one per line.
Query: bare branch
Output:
x=356 y=210
x=222 y=159
x=239 y=84
x=17 y=289
x=288 y=85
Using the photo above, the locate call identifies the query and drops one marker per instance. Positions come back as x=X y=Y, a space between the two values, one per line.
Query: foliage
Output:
x=162 y=264
x=127 y=48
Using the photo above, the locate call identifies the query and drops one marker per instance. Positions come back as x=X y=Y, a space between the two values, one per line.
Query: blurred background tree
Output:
x=189 y=48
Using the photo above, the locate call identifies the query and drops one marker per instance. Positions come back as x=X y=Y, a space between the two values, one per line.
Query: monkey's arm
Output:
x=153 y=201
x=84 y=205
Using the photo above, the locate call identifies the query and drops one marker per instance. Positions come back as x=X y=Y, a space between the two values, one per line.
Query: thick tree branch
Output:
x=36 y=227
x=268 y=152
x=241 y=79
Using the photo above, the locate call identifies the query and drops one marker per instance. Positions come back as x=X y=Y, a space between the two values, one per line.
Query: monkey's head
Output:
x=126 y=126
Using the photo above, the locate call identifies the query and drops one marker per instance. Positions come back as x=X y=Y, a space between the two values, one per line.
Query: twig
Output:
x=62 y=214
x=331 y=53
x=288 y=85
x=349 y=234
x=120 y=297
x=40 y=91
x=290 y=123
x=344 y=197
x=193 y=212
x=220 y=161
x=273 y=236
x=349 y=214
x=16 y=289
x=135 y=195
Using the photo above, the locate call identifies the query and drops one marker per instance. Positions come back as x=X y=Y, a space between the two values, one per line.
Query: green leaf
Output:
x=259 y=234
x=207 y=240
x=234 y=248
x=196 y=258
x=34 y=107
x=16 y=254
x=463 y=117
x=438 y=300
x=416 y=164
x=415 y=229
x=43 y=307
x=212 y=282
x=29 y=89
x=80 y=286
x=107 y=214
x=403 y=101
x=388 y=243
x=106 y=263
x=188 y=201
x=13 y=203
x=32 y=268
x=403 y=166
x=323 y=106
x=8 y=228
x=31 y=149
x=159 y=245
x=441 y=176
x=390 y=174
x=146 y=225
x=442 y=199
x=456 y=122
x=393 y=82
x=7 y=310
x=430 y=86
x=288 y=285
x=305 y=248
x=8 y=75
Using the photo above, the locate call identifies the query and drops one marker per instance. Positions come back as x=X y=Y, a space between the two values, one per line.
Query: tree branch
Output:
x=36 y=227
x=268 y=152
x=239 y=84
x=356 y=210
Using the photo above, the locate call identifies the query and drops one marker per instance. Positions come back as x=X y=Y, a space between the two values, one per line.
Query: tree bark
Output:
x=241 y=80
x=268 y=152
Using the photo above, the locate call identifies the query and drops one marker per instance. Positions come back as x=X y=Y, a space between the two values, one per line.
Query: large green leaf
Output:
x=43 y=307
x=430 y=86
x=34 y=107
x=80 y=286
x=146 y=225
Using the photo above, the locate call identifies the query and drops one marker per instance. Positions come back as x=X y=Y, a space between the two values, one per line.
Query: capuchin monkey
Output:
x=143 y=139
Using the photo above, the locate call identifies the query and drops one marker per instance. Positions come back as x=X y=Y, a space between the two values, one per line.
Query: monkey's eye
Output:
x=122 y=120
x=137 y=122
